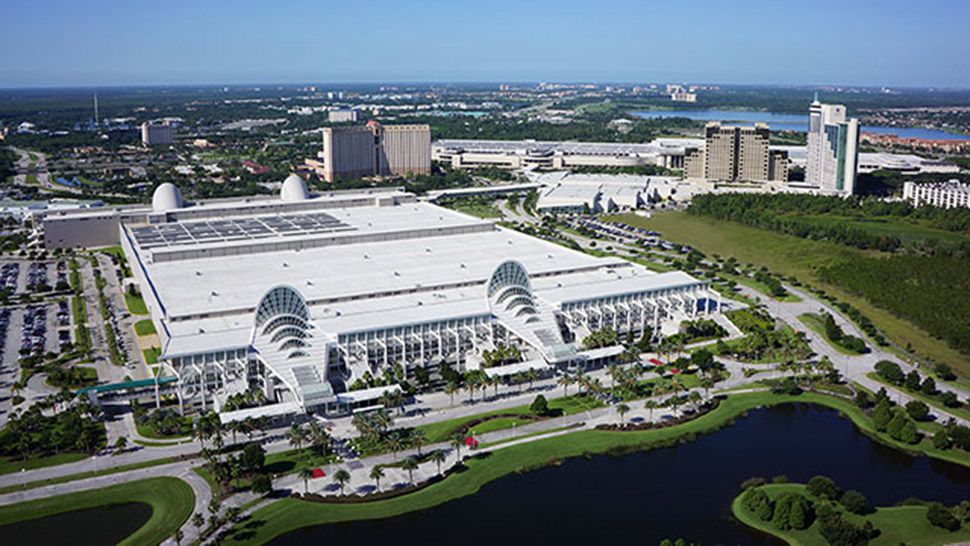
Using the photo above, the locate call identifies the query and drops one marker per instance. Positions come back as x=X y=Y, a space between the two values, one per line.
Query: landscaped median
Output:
x=170 y=499
x=289 y=514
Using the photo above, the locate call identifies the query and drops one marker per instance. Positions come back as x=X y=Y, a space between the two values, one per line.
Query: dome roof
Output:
x=294 y=189
x=166 y=197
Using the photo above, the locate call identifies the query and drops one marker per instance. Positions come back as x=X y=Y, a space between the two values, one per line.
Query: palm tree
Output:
x=708 y=382
x=532 y=375
x=651 y=405
x=410 y=464
x=458 y=440
x=297 y=436
x=438 y=457
x=565 y=380
x=694 y=398
x=305 y=473
x=395 y=444
x=622 y=409
x=341 y=477
x=376 y=474
x=451 y=389
x=418 y=439
x=318 y=438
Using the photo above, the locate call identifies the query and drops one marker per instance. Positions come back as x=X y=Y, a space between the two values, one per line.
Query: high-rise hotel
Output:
x=374 y=149
x=833 y=149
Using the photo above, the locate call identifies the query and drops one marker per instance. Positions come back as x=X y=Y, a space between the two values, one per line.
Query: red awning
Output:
x=317 y=473
x=656 y=362
x=470 y=441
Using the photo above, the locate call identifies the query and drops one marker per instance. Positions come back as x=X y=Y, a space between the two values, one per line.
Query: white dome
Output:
x=294 y=189
x=166 y=197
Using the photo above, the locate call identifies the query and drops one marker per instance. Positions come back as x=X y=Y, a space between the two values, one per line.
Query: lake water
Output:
x=683 y=491
x=789 y=122
x=105 y=525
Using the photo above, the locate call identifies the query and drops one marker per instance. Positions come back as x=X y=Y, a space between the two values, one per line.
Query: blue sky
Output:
x=849 y=42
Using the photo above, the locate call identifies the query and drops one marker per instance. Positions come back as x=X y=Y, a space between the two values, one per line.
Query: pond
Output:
x=682 y=491
x=790 y=122
x=92 y=526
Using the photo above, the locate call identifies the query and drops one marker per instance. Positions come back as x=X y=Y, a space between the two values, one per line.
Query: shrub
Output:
x=945 y=372
x=882 y=414
x=823 y=487
x=539 y=406
x=950 y=400
x=929 y=386
x=941 y=516
x=855 y=502
x=753 y=482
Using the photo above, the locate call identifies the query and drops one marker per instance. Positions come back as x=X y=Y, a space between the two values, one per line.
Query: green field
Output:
x=152 y=355
x=136 y=304
x=171 y=500
x=145 y=327
x=15 y=464
x=801 y=258
x=475 y=207
x=443 y=430
x=905 y=231
x=289 y=514
x=898 y=524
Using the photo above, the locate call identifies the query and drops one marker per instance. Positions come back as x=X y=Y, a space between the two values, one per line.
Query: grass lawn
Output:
x=929 y=400
x=476 y=208
x=145 y=327
x=759 y=287
x=136 y=304
x=85 y=475
x=814 y=322
x=171 y=500
x=184 y=433
x=289 y=514
x=792 y=256
x=14 y=464
x=32 y=179
x=898 y=524
x=443 y=430
x=151 y=355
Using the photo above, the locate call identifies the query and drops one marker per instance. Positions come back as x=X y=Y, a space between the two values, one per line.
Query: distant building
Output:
x=943 y=194
x=375 y=149
x=683 y=96
x=157 y=134
x=736 y=154
x=342 y=115
x=833 y=149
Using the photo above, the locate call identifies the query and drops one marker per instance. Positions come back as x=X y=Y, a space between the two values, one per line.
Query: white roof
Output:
x=518 y=367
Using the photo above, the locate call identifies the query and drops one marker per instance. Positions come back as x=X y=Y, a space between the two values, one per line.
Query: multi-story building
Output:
x=157 y=134
x=736 y=154
x=683 y=96
x=833 y=149
x=403 y=149
x=342 y=115
x=945 y=195
x=348 y=152
x=375 y=149
x=307 y=298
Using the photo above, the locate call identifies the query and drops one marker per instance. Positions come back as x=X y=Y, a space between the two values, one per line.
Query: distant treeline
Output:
x=822 y=218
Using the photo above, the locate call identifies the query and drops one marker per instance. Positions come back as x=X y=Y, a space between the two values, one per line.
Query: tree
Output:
x=890 y=371
x=882 y=414
x=758 y=503
x=297 y=436
x=941 y=516
x=651 y=405
x=120 y=445
x=253 y=458
x=410 y=464
x=945 y=372
x=458 y=440
x=917 y=410
x=438 y=457
x=198 y=519
x=912 y=381
x=341 y=477
x=261 y=484
x=941 y=440
x=376 y=474
x=622 y=409
x=902 y=428
x=823 y=487
x=800 y=515
x=782 y=514
x=928 y=387
x=305 y=473
x=855 y=502
x=539 y=406
x=179 y=535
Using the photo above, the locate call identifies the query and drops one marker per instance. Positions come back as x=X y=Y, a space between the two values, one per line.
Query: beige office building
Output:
x=404 y=149
x=375 y=149
x=736 y=154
